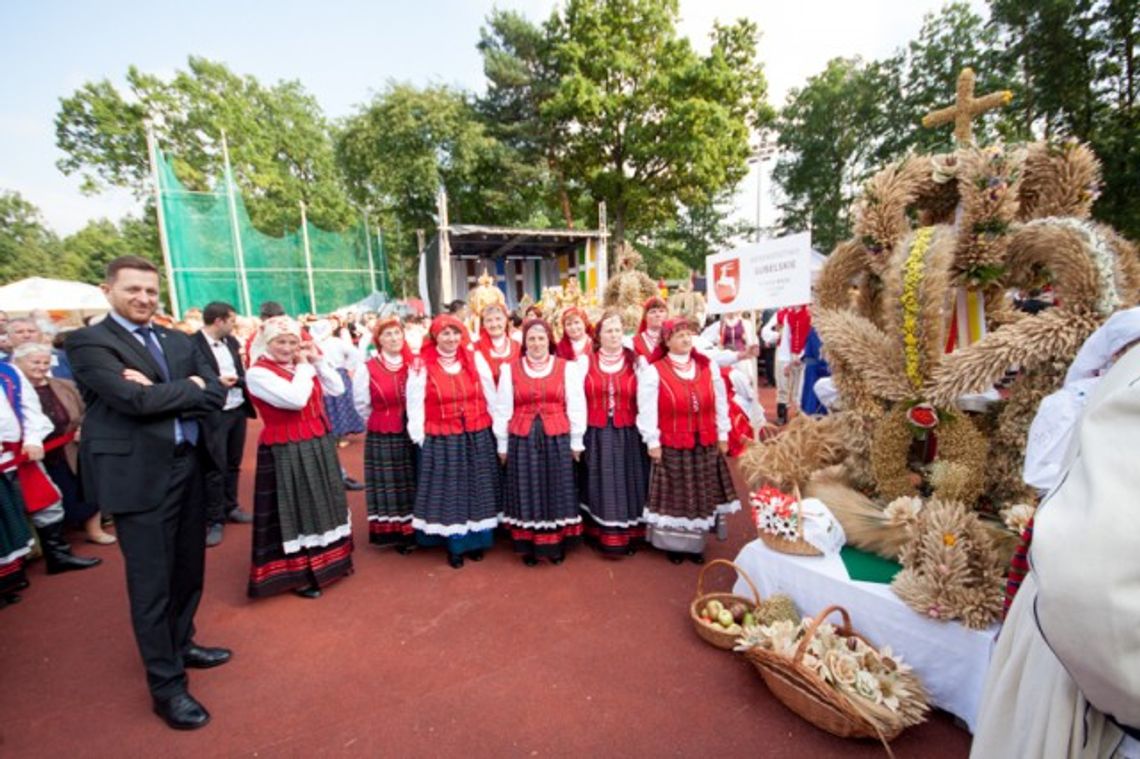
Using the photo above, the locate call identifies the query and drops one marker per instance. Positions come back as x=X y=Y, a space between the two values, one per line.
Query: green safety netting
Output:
x=202 y=238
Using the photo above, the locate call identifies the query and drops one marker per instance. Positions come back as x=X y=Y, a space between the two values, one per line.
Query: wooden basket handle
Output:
x=809 y=633
x=739 y=571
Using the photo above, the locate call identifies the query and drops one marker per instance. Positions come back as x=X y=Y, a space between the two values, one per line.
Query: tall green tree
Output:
x=280 y=144
x=522 y=78
x=827 y=134
x=397 y=151
x=27 y=247
x=99 y=242
x=649 y=125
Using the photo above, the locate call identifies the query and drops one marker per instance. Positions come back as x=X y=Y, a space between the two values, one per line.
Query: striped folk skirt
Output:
x=390 y=487
x=15 y=538
x=302 y=534
x=540 y=509
x=458 y=492
x=688 y=488
x=341 y=412
x=613 y=480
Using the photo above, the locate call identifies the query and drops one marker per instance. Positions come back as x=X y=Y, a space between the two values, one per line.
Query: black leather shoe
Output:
x=240 y=517
x=309 y=592
x=182 y=712
x=351 y=484
x=475 y=555
x=203 y=657
x=455 y=560
x=676 y=558
x=697 y=558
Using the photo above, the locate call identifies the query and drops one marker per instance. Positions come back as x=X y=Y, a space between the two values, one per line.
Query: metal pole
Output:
x=308 y=258
x=368 y=246
x=759 y=194
x=385 y=275
x=164 y=243
x=239 y=254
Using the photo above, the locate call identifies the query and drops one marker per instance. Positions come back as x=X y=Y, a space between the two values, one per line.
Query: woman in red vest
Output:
x=450 y=394
x=494 y=343
x=576 y=335
x=539 y=423
x=379 y=392
x=613 y=476
x=648 y=337
x=682 y=413
x=302 y=534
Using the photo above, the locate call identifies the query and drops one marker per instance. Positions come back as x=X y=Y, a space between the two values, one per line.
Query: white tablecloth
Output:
x=949 y=658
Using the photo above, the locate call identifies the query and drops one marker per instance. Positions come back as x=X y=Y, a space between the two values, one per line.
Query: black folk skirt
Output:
x=540 y=507
x=302 y=532
x=613 y=482
x=390 y=487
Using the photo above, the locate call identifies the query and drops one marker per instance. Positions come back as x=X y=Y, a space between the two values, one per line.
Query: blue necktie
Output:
x=186 y=429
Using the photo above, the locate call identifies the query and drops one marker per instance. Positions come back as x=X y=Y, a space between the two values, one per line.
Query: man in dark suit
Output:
x=225 y=429
x=146 y=390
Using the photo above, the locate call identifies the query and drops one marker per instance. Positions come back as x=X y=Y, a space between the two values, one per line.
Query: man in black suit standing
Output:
x=146 y=390
x=225 y=429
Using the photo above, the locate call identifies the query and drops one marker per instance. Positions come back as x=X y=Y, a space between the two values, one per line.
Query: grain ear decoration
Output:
x=804 y=446
x=988 y=180
x=864 y=349
x=881 y=213
x=1060 y=178
x=864 y=522
x=931 y=291
x=839 y=273
x=1055 y=334
x=952 y=567
x=1127 y=265
x=1056 y=246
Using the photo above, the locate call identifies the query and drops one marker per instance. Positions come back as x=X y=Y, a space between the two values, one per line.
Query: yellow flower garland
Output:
x=912 y=280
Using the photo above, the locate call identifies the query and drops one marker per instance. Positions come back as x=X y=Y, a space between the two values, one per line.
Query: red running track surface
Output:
x=409 y=657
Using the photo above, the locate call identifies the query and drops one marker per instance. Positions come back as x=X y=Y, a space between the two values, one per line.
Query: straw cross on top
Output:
x=966 y=108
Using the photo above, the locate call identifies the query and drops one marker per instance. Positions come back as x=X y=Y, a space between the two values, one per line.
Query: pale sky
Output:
x=343 y=51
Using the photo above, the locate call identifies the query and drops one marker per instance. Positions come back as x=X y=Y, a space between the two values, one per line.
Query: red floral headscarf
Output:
x=430 y=353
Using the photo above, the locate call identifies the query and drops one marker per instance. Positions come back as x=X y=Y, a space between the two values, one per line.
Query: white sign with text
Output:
x=765 y=274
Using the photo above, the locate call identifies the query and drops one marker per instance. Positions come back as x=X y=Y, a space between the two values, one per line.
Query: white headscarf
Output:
x=1052 y=430
x=270 y=330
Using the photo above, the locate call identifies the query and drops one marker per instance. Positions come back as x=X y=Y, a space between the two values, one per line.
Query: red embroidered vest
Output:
x=623 y=386
x=639 y=346
x=453 y=403
x=286 y=425
x=544 y=397
x=388 y=390
x=686 y=409
x=484 y=346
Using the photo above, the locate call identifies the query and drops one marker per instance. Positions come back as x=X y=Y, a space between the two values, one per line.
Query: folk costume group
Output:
x=591 y=436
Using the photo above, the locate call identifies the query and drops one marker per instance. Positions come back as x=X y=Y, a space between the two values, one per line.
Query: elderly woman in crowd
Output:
x=539 y=422
x=450 y=397
x=302 y=532
x=682 y=414
x=494 y=343
x=613 y=474
x=62 y=405
x=380 y=391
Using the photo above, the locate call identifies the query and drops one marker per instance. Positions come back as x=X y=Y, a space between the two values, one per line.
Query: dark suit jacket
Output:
x=215 y=443
x=128 y=432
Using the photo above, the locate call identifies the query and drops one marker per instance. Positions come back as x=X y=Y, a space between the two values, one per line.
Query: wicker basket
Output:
x=805 y=693
x=797 y=547
x=720 y=638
